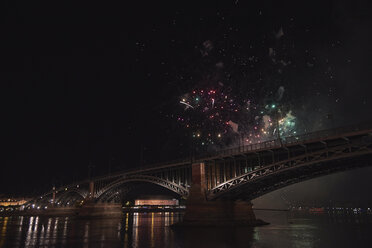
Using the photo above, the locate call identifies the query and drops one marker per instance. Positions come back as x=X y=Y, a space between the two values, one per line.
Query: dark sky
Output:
x=96 y=83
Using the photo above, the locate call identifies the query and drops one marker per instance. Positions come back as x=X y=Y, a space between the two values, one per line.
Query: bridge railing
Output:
x=324 y=134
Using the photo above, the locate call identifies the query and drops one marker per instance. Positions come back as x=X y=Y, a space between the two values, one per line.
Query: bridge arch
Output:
x=47 y=198
x=173 y=187
x=270 y=178
x=74 y=191
x=298 y=162
x=70 y=197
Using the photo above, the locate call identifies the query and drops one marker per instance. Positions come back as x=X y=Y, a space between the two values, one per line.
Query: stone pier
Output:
x=200 y=212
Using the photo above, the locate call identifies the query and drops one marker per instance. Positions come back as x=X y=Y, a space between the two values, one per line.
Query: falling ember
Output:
x=187 y=105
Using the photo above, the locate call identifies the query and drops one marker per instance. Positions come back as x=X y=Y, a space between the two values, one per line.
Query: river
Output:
x=145 y=230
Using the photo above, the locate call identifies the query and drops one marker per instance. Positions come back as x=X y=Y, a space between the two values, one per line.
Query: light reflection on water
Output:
x=152 y=230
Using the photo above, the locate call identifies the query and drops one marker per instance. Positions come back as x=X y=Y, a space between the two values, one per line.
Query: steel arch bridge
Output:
x=245 y=172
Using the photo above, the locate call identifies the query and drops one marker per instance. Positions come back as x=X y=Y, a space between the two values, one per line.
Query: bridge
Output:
x=236 y=175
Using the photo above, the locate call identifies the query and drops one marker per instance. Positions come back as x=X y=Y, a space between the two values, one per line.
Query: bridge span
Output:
x=239 y=174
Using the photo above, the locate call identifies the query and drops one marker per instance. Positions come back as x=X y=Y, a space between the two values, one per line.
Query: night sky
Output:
x=103 y=84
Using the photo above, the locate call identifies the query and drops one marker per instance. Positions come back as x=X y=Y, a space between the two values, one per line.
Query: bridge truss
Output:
x=244 y=172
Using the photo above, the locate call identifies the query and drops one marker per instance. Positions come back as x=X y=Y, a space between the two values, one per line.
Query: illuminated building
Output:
x=156 y=202
x=12 y=201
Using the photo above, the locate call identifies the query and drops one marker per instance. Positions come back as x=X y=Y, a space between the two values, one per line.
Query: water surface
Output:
x=145 y=230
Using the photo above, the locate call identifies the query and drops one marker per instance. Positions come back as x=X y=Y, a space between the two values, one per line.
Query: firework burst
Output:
x=216 y=117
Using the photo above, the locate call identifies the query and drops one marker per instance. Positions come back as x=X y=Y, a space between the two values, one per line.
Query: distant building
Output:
x=155 y=201
x=141 y=202
x=12 y=201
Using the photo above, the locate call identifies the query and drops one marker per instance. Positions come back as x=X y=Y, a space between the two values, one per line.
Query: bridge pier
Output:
x=91 y=190
x=91 y=208
x=201 y=212
x=54 y=196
